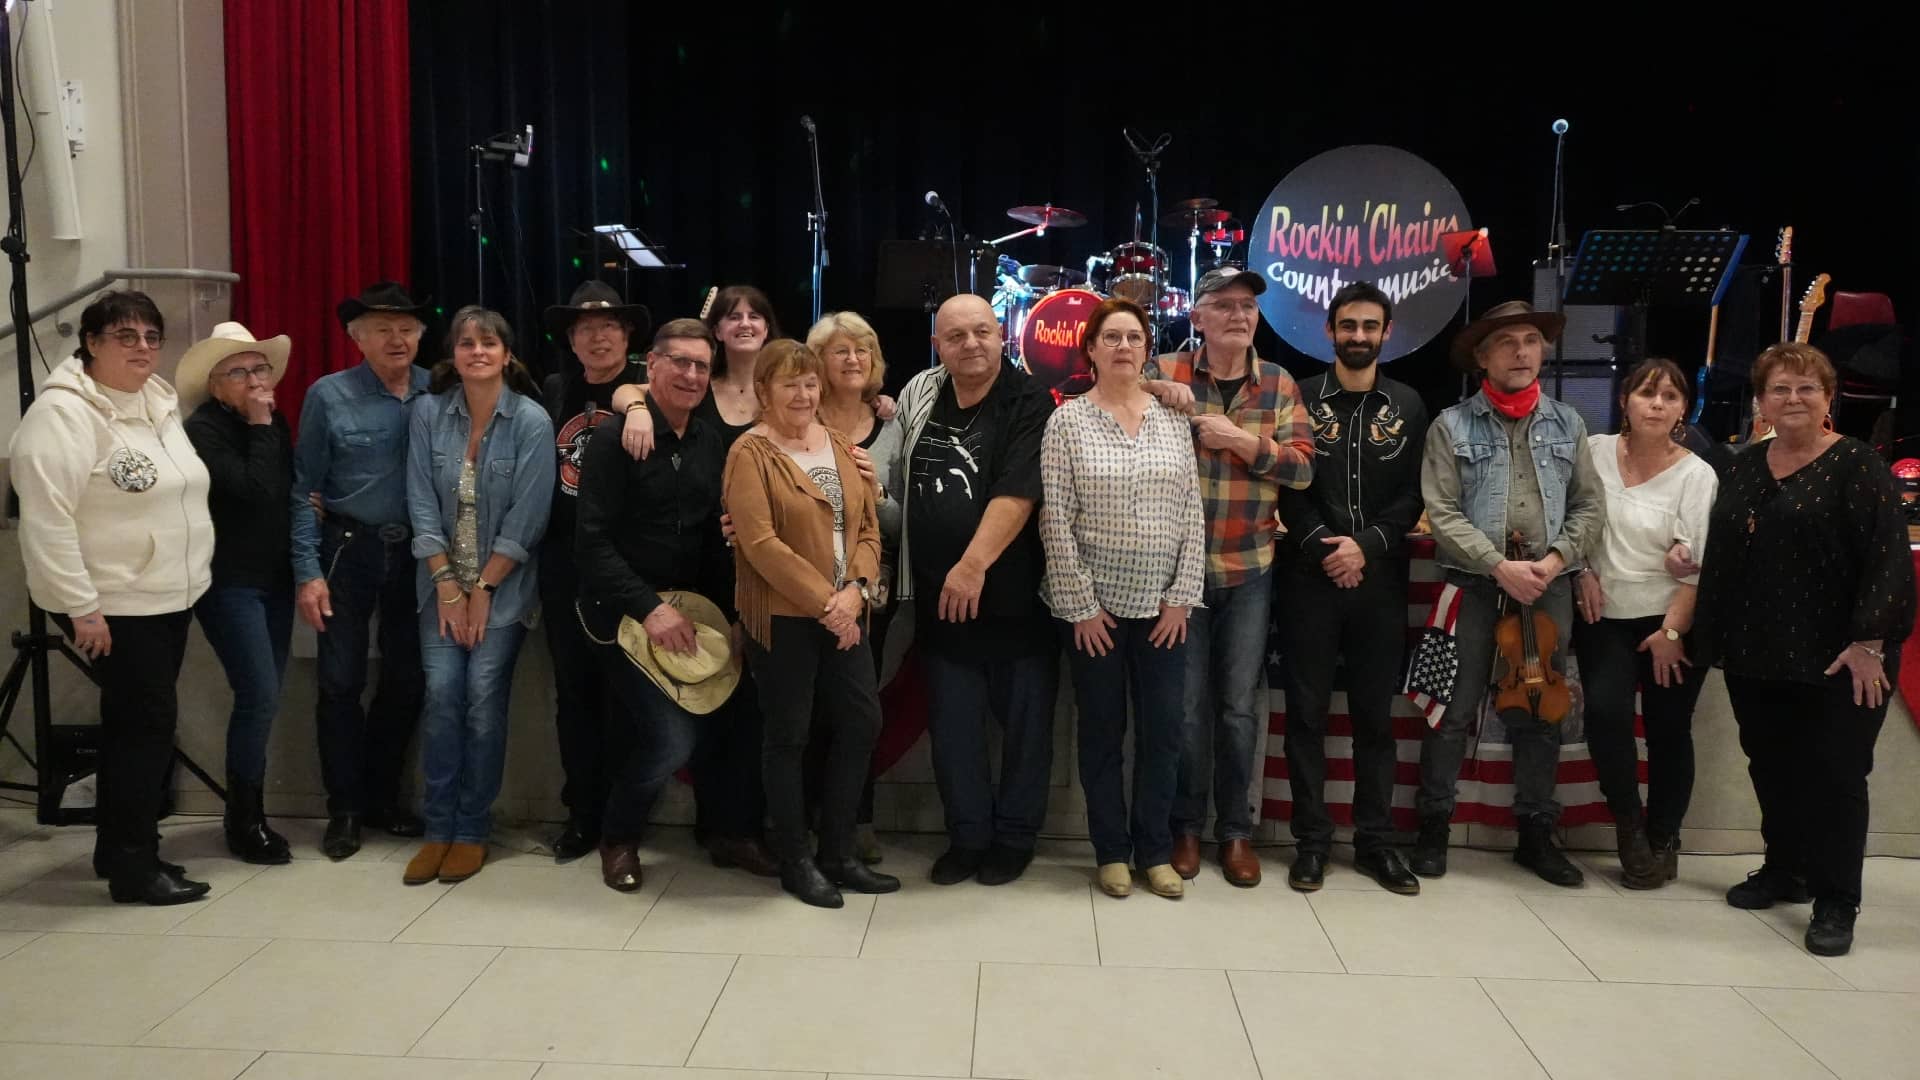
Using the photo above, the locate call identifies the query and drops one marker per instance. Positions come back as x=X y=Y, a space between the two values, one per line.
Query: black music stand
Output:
x=920 y=275
x=1638 y=268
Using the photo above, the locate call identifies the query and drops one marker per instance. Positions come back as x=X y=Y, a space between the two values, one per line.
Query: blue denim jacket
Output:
x=516 y=470
x=353 y=451
x=1479 y=442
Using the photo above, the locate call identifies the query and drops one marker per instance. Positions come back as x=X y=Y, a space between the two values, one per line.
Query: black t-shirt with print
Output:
x=576 y=407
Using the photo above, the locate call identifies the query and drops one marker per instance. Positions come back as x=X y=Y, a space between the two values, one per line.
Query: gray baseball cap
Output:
x=1222 y=276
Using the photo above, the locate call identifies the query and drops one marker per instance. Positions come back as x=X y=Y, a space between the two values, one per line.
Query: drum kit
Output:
x=1045 y=309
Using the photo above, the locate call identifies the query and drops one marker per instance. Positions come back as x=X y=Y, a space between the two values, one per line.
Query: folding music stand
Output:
x=1638 y=268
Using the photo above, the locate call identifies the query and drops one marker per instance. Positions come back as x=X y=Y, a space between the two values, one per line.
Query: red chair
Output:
x=1854 y=308
x=1863 y=309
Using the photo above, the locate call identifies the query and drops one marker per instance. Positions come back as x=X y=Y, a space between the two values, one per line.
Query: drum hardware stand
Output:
x=1149 y=157
x=816 y=217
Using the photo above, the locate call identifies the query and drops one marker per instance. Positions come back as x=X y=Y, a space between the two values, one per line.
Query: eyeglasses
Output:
x=1112 y=339
x=1244 y=307
x=698 y=367
x=263 y=372
x=1783 y=391
x=132 y=339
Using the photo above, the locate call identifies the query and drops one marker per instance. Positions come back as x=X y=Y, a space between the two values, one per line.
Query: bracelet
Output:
x=641 y=404
x=457 y=598
x=445 y=573
x=1870 y=651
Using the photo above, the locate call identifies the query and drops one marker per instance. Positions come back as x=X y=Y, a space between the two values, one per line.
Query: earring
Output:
x=1679 y=431
x=1826 y=424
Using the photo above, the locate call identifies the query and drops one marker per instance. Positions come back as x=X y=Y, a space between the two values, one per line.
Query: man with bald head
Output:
x=970 y=560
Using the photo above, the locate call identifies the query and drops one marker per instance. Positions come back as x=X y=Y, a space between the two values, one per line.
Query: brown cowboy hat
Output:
x=598 y=298
x=1511 y=313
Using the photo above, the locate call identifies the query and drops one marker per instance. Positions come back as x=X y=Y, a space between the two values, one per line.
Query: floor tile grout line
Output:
x=1317 y=921
x=1093 y=910
x=973 y=1044
x=1537 y=917
x=626 y=945
x=258 y=1057
x=1801 y=948
x=1480 y=982
x=1807 y=1050
x=711 y=1009
x=265 y=944
x=866 y=931
x=1246 y=1032
x=498 y=952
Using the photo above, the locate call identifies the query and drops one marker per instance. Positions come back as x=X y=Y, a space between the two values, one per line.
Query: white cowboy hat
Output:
x=229 y=338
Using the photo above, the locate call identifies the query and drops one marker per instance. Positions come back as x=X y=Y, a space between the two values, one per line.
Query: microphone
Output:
x=1560 y=127
x=933 y=200
x=807 y=122
x=525 y=153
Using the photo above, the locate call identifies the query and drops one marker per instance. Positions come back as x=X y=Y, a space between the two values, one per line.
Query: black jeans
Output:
x=1610 y=671
x=1157 y=679
x=1809 y=750
x=817 y=744
x=804 y=676
x=1364 y=629
x=362 y=751
x=965 y=698
x=139 y=710
x=595 y=738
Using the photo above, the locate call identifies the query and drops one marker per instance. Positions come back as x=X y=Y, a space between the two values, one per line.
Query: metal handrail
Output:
x=108 y=277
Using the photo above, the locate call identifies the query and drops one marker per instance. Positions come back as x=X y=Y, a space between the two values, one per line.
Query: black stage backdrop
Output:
x=684 y=120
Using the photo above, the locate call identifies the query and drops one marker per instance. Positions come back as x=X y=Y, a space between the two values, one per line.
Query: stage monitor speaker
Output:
x=1588 y=387
x=1585 y=322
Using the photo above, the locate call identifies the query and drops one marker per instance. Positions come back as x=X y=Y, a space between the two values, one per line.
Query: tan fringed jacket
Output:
x=783 y=533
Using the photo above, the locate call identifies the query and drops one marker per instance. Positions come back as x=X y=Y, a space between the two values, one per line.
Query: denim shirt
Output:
x=515 y=473
x=1471 y=442
x=353 y=451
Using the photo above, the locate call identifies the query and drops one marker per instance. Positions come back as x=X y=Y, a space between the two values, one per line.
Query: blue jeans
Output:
x=1226 y=648
x=1158 y=679
x=463 y=741
x=964 y=697
x=249 y=630
x=362 y=751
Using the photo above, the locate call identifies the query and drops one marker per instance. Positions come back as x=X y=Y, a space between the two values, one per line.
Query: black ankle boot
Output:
x=804 y=880
x=1831 y=931
x=103 y=861
x=1639 y=868
x=248 y=835
x=1538 y=853
x=851 y=873
x=1430 y=850
x=158 y=887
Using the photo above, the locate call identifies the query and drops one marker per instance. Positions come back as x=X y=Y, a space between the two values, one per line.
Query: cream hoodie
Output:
x=113 y=508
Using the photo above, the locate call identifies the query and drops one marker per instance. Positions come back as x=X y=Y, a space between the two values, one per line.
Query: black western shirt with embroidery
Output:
x=1366 y=468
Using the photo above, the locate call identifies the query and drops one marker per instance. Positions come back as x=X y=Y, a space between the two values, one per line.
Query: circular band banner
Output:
x=1358 y=213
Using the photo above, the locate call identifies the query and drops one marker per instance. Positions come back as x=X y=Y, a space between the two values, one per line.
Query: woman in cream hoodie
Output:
x=118 y=545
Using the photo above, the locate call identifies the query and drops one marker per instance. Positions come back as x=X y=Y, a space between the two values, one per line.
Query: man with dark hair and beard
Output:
x=1344 y=576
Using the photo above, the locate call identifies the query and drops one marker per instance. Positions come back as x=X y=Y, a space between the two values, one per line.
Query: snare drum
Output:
x=1050 y=334
x=1134 y=268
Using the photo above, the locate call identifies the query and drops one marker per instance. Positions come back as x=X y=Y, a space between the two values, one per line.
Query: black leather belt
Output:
x=391 y=534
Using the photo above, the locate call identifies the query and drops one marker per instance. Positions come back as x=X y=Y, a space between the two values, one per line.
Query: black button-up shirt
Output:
x=646 y=526
x=1366 y=470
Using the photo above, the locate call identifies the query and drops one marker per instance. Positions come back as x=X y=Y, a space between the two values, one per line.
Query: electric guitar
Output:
x=1782 y=257
x=1814 y=299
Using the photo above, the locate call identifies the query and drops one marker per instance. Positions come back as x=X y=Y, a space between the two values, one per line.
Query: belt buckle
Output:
x=393 y=534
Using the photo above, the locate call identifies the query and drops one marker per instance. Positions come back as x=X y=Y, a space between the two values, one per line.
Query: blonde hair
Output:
x=849 y=325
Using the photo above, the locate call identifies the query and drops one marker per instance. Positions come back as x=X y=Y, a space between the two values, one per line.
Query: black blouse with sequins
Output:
x=1795 y=569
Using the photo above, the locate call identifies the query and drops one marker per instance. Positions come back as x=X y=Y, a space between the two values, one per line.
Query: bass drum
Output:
x=1050 y=334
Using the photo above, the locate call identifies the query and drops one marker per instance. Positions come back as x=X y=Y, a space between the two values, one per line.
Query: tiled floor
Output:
x=321 y=970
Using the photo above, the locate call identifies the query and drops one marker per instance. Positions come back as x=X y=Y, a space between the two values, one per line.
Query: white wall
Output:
x=87 y=39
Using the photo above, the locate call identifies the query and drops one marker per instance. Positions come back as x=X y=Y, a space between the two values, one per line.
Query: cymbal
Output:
x=1196 y=204
x=1053 y=217
x=1051 y=277
x=1196 y=216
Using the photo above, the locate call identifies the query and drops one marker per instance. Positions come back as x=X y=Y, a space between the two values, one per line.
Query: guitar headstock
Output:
x=706 y=305
x=1816 y=294
x=1783 y=248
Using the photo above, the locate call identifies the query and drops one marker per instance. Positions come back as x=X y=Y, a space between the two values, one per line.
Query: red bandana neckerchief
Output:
x=1515 y=405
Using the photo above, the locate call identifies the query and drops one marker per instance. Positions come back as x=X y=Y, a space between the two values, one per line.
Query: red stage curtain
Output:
x=318 y=164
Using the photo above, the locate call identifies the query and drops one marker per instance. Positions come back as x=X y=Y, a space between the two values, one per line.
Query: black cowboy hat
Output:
x=597 y=298
x=1511 y=313
x=389 y=296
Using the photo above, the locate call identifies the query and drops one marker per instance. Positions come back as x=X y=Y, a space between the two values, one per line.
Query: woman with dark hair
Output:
x=741 y=321
x=1635 y=618
x=1125 y=536
x=480 y=476
x=1806 y=594
x=118 y=545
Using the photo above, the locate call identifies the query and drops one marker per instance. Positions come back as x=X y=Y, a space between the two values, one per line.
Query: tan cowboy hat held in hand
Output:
x=700 y=681
x=227 y=339
x=1511 y=313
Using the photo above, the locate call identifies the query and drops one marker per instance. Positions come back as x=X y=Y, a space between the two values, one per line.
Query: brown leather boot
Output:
x=425 y=866
x=1239 y=863
x=462 y=862
x=1186 y=856
x=1639 y=868
x=620 y=867
x=747 y=853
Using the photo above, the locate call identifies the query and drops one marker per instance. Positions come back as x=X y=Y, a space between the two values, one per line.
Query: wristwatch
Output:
x=866 y=597
x=1672 y=634
x=486 y=586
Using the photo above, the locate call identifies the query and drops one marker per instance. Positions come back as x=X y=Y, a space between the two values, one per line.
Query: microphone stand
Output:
x=1557 y=246
x=816 y=217
x=1149 y=158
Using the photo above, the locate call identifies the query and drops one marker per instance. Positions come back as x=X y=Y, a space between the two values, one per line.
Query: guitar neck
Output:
x=1804 y=331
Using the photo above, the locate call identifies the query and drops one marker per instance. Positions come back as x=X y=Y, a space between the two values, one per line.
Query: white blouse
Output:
x=1120 y=517
x=1643 y=522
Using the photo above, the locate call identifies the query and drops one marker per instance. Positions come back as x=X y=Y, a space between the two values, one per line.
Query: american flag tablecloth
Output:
x=1486 y=777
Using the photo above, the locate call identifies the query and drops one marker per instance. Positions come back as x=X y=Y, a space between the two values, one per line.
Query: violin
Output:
x=1524 y=641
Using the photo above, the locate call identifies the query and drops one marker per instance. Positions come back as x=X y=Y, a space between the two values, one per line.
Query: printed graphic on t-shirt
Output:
x=946 y=462
x=827 y=479
x=571 y=443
